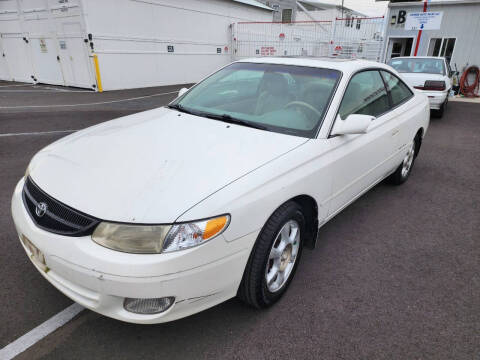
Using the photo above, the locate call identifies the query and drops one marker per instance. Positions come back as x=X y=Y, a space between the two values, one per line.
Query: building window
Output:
x=441 y=47
x=358 y=24
x=434 y=47
x=347 y=23
x=287 y=15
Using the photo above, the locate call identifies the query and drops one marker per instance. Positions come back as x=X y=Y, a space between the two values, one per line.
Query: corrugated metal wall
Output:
x=460 y=21
x=139 y=43
x=143 y=43
x=43 y=41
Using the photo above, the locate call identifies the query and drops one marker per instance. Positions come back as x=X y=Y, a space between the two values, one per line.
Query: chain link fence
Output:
x=346 y=38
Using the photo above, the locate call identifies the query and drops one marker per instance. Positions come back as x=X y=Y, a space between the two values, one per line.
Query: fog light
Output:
x=148 y=306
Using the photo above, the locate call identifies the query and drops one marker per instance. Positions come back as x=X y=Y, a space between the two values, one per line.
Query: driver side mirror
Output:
x=182 y=91
x=353 y=124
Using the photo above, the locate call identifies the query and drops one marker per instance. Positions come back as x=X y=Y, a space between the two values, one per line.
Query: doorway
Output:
x=46 y=61
x=74 y=55
x=4 y=72
x=399 y=47
x=16 y=57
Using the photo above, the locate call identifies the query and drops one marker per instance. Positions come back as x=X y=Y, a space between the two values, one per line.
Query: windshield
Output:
x=280 y=98
x=418 y=65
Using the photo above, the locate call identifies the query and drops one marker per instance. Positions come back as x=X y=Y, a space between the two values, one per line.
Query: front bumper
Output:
x=436 y=98
x=100 y=279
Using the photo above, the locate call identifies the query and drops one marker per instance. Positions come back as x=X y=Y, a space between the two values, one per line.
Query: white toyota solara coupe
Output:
x=159 y=215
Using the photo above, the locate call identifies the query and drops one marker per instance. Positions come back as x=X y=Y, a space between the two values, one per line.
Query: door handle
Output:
x=395 y=132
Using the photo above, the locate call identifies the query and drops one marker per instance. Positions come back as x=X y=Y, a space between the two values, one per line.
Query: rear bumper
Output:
x=435 y=98
x=100 y=279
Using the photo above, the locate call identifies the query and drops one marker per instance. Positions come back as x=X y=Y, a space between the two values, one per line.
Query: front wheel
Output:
x=274 y=257
x=403 y=171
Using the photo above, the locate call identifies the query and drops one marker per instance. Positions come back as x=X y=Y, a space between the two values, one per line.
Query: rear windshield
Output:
x=418 y=65
x=280 y=98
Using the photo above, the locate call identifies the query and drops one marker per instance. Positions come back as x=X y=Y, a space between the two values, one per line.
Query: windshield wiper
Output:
x=231 y=120
x=223 y=117
x=181 y=109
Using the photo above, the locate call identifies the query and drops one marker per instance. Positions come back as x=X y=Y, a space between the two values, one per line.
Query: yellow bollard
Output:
x=97 y=73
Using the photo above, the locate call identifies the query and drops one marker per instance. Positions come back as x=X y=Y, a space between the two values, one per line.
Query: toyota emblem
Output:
x=41 y=209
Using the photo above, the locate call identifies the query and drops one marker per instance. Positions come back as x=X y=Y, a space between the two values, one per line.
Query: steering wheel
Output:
x=305 y=105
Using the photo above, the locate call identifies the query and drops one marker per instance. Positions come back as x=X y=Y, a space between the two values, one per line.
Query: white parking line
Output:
x=39 y=86
x=44 y=91
x=37 y=334
x=87 y=104
x=37 y=133
x=2 y=86
x=63 y=90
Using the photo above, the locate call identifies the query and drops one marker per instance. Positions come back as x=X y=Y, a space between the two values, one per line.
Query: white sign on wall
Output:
x=430 y=20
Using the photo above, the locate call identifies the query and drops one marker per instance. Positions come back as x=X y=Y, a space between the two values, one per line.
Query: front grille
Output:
x=53 y=216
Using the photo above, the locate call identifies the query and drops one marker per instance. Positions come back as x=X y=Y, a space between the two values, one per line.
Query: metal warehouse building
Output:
x=456 y=35
x=119 y=44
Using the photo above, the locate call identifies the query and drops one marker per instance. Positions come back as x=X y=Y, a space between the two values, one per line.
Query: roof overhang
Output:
x=254 y=3
x=319 y=4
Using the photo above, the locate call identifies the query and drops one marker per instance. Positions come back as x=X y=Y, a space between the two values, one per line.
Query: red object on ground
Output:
x=467 y=89
x=420 y=31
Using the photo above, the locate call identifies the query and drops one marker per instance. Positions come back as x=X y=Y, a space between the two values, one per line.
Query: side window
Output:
x=365 y=95
x=398 y=90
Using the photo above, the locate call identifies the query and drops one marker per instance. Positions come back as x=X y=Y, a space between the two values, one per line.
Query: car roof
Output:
x=344 y=65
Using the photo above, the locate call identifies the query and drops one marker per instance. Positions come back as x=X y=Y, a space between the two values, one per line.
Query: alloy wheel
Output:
x=283 y=255
x=408 y=160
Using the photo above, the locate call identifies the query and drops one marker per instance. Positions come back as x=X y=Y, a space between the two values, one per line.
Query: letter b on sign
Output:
x=401 y=16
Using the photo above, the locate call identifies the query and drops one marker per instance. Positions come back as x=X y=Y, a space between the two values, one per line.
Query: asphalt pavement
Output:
x=394 y=276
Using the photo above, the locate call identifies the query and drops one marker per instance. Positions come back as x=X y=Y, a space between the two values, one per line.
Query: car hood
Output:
x=418 y=79
x=152 y=166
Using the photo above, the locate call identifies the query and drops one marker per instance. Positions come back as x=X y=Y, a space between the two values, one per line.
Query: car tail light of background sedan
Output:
x=432 y=85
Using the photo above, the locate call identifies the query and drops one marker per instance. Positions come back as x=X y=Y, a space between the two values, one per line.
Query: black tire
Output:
x=399 y=177
x=253 y=289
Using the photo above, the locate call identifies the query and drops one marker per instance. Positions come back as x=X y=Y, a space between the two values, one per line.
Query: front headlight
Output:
x=154 y=239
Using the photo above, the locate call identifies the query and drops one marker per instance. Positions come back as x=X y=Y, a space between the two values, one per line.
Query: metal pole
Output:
x=97 y=73
x=342 y=9
x=420 y=31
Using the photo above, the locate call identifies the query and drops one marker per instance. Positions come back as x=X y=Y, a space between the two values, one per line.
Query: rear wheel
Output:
x=274 y=257
x=403 y=171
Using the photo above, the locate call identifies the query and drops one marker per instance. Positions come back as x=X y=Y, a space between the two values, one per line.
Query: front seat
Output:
x=273 y=93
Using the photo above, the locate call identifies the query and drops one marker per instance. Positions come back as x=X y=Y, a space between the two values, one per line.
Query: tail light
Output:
x=432 y=85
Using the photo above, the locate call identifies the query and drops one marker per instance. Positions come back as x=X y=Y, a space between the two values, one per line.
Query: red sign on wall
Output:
x=267 y=50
